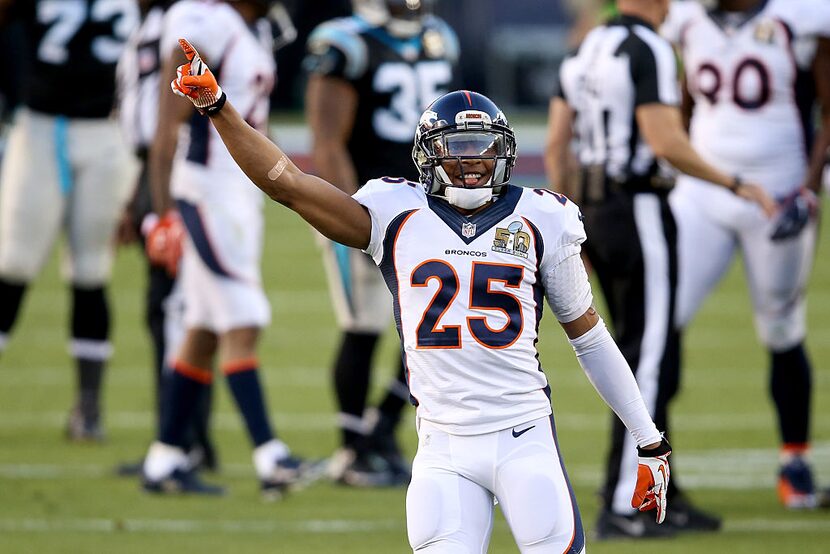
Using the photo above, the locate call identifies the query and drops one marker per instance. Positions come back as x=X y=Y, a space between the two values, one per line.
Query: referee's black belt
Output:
x=597 y=184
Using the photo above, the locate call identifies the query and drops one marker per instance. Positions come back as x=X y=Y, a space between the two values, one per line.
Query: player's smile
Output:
x=470 y=173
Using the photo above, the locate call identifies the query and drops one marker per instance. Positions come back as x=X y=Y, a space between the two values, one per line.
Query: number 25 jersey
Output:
x=395 y=80
x=468 y=297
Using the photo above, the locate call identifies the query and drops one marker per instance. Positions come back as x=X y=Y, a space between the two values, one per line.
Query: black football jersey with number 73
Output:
x=72 y=47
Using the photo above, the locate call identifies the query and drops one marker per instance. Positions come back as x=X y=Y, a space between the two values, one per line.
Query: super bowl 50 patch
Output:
x=512 y=240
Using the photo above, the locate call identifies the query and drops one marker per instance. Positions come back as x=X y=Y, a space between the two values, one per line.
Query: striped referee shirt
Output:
x=619 y=66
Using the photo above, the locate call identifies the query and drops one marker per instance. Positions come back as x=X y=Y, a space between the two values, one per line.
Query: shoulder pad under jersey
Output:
x=452 y=49
x=344 y=34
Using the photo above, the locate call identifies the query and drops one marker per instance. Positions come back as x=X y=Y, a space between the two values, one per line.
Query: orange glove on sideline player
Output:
x=195 y=81
x=652 y=480
x=164 y=242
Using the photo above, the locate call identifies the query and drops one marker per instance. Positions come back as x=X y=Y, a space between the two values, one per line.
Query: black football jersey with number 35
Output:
x=72 y=47
x=395 y=79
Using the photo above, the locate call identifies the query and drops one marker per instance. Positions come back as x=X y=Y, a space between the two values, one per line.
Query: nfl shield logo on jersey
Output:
x=468 y=230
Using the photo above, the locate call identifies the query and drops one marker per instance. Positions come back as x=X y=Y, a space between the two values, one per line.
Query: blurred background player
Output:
x=371 y=76
x=67 y=169
x=619 y=94
x=138 y=92
x=752 y=79
x=225 y=306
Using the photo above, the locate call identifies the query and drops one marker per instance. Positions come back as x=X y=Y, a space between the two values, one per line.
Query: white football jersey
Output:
x=138 y=80
x=468 y=297
x=242 y=60
x=745 y=74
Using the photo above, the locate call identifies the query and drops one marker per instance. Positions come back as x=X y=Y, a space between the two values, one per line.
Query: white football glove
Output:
x=652 y=480
x=195 y=81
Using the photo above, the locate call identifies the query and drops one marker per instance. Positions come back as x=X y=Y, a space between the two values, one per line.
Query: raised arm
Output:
x=327 y=208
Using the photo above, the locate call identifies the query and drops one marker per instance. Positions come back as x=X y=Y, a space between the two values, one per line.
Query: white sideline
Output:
x=322 y=421
x=333 y=526
x=100 y=525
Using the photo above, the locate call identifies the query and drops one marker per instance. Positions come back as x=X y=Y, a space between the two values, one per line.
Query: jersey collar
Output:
x=720 y=17
x=482 y=221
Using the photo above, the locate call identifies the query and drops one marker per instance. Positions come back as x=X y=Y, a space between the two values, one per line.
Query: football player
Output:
x=371 y=75
x=196 y=184
x=138 y=94
x=753 y=71
x=468 y=258
x=67 y=170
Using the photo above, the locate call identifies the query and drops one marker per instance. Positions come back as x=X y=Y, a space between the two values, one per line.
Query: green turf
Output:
x=59 y=497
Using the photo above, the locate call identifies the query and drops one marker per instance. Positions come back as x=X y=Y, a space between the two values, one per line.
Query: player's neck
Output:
x=467 y=213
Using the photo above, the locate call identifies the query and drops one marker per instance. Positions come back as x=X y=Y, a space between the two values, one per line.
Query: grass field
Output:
x=57 y=497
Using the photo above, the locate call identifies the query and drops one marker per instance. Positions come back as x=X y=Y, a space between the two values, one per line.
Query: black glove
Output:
x=796 y=211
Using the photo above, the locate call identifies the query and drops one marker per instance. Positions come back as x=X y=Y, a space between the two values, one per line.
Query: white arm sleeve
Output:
x=603 y=363
x=567 y=288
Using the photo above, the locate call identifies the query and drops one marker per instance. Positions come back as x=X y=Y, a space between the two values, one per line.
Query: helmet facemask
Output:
x=441 y=155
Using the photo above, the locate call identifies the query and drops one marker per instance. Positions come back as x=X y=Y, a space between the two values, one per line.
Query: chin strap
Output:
x=468 y=199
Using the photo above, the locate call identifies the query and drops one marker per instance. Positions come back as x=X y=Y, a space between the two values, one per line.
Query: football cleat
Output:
x=365 y=468
x=383 y=442
x=290 y=473
x=182 y=481
x=84 y=427
x=638 y=525
x=200 y=457
x=796 y=488
x=685 y=517
x=130 y=469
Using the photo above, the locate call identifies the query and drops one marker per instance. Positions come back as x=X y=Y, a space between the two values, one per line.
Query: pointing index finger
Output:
x=197 y=66
x=188 y=49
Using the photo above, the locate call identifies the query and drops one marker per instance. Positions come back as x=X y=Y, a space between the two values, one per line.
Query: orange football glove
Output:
x=164 y=242
x=195 y=81
x=652 y=480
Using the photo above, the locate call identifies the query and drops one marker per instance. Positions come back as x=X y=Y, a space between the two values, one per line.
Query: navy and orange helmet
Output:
x=463 y=125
